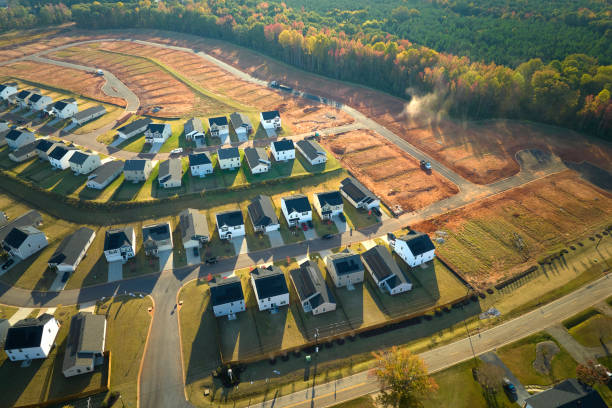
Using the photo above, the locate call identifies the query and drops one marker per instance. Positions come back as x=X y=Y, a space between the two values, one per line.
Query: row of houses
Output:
x=345 y=268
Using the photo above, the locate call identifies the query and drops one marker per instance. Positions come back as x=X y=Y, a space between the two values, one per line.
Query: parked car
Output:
x=196 y=252
x=327 y=236
x=510 y=389
x=376 y=211
x=176 y=151
x=65 y=277
x=310 y=225
x=7 y=264
x=342 y=217
x=211 y=260
x=425 y=165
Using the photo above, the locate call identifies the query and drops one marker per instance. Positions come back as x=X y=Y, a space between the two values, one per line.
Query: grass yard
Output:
x=594 y=331
x=7 y=311
x=519 y=358
x=125 y=314
x=366 y=401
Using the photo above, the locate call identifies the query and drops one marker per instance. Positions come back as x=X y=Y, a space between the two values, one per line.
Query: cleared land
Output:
x=389 y=172
x=495 y=238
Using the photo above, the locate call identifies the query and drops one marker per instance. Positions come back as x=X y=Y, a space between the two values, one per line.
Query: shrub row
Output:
x=579 y=318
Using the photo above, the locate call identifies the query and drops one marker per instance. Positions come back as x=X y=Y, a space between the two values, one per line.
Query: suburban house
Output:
x=24 y=241
x=72 y=250
x=328 y=204
x=4 y=126
x=242 y=125
x=157 y=238
x=134 y=128
x=311 y=289
x=193 y=129
x=137 y=170
x=345 y=268
x=296 y=209
x=200 y=164
x=31 y=218
x=44 y=147
x=31 y=339
x=230 y=224
x=21 y=97
x=415 y=248
x=82 y=117
x=270 y=287
x=384 y=271
x=157 y=132
x=312 y=151
x=270 y=119
x=170 y=173
x=219 y=128
x=23 y=153
x=262 y=214
x=229 y=158
x=85 y=344
x=65 y=108
x=257 y=159
x=38 y=101
x=60 y=156
x=194 y=228
x=283 y=150
x=358 y=195
x=105 y=174
x=569 y=393
x=8 y=89
x=16 y=138
x=226 y=296
x=84 y=163
x=120 y=244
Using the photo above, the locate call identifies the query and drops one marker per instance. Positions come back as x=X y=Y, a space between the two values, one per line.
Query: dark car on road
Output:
x=327 y=236
x=7 y=264
x=510 y=389
x=211 y=260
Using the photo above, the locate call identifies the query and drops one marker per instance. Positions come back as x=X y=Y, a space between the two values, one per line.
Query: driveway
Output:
x=311 y=233
x=341 y=225
x=191 y=258
x=166 y=260
x=240 y=245
x=57 y=284
x=521 y=392
x=115 y=271
x=276 y=239
x=155 y=147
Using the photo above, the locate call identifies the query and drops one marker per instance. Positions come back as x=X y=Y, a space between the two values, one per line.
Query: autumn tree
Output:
x=591 y=373
x=490 y=376
x=403 y=378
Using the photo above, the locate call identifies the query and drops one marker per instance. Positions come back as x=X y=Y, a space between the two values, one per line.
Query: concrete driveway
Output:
x=191 y=258
x=117 y=142
x=115 y=271
x=57 y=284
x=341 y=225
x=521 y=392
x=240 y=245
x=155 y=147
x=276 y=239
x=166 y=260
x=310 y=234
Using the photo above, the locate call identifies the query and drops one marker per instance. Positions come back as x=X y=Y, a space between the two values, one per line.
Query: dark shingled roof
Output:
x=156 y=127
x=135 y=164
x=116 y=238
x=381 y=262
x=198 y=159
x=223 y=291
x=262 y=211
x=71 y=247
x=23 y=94
x=219 y=121
x=356 y=190
x=228 y=153
x=26 y=333
x=346 y=263
x=79 y=157
x=298 y=203
x=44 y=145
x=283 y=145
x=32 y=217
x=15 y=134
x=58 y=152
x=232 y=218
x=255 y=156
x=270 y=115
x=59 y=105
x=418 y=242
x=18 y=235
x=311 y=149
x=137 y=124
x=567 y=394
x=35 y=97
x=269 y=282
x=329 y=197
x=308 y=281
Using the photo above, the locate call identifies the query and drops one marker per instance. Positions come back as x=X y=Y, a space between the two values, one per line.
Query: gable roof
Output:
x=15 y=134
x=232 y=218
x=44 y=145
x=381 y=263
x=79 y=157
x=71 y=247
x=193 y=124
x=24 y=150
x=297 y=203
x=269 y=281
x=26 y=333
x=156 y=232
x=198 y=159
x=18 y=235
x=35 y=97
x=118 y=237
x=157 y=127
x=32 y=217
x=171 y=169
x=193 y=224
x=218 y=121
x=59 y=152
x=256 y=156
x=240 y=119
x=332 y=198
x=89 y=112
x=135 y=164
x=228 y=153
x=283 y=145
x=107 y=170
x=262 y=211
x=223 y=291
x=269 y=115
x=567 y=394
x=86 y=336
x=311 y=148
x=308 y=282
x=346 y=262
x=60 y=105
x=23 y=94
x=418 y=242
x=133 y=126
x=356 y=191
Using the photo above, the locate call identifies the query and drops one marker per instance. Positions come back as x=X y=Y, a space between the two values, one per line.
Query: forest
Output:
x=571 y=90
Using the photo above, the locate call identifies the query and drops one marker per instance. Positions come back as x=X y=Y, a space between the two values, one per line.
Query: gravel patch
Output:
x=545 y=351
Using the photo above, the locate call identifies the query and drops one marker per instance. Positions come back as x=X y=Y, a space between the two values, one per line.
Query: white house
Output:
x=60 y=157
x=15 y=138
x=262 y=214
x=219 y=128
x=120 y=244
x=88 y=114
x=384 y=271
x=358 y=195
x=133 y=128
x=227 y=297
x=85 y=344
x=7 y=89
x=65 y=108
x=283 y=150
x=296 y=209
x=24 y=241
x=270 y=287
x=230 y=224
x=328 y=204
x=24 y=153
x=345 y=268
x=44 y=147
x=38 y=101
x=257 y=160
x=194 y=228
x=105 y=174
x=242 y=125
x=157 y=132
x=200 y=164
x=193 y=129
x=72 y=250
x=311 y=289
x=157 y=238
x=84 y=163
x=21 y=97
x=312 y=151
x=137 y=170
x=229 y=158
x=31 y=339
x=415 y=248
x=170 y=173
x=270 y=119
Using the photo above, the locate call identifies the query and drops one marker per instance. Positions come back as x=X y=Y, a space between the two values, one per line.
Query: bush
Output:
x=579 y=318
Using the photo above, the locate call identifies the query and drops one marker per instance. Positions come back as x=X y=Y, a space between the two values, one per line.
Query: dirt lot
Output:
x=392 y=174
x=73 y=80
x=499 y=237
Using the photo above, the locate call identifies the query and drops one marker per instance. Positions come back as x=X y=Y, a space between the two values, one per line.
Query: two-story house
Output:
x=229 y=158
x=219 y=128
x=270 y=287
x=262 y=214
x=120 y=244
x=85 y=344
x=270 y=119
x=44 y=147
x=157 y=238
x=83 y=162
x=283 y=150
x=30 y=338
x=105 y=174
x=257 y=160
x=38 y=101
x=8 y=89
x=137 y=170
x=311 y=289
x=312 y=151
x=227 y=297
x=15 y=138
x=72 y=250
x=21 y=242
x=415 y=248
x=170 y=173
x=60 y=156
x=296 y=209
x=194 y=228
x=157 y=133
x=345 y=268
x=193 y=129
x=21 y=97
x=230 y=224
x=65 y=108
x=328 y=204
x=384 y=271
x=200 y=164
x=242 y=125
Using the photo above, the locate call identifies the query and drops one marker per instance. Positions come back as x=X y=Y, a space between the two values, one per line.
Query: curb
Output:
x=146 y=347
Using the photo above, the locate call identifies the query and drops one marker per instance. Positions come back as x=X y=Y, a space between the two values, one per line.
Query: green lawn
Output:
x=362 y=402
x=323 y=227
x=594 y=331
x=7 y=311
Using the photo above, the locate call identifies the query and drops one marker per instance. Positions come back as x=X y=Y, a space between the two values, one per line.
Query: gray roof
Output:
x=309 y=283
x=418 y=242
x=118 y=237
x=193 y=224
x=298 y=203
x=59 y=152
x=26 y=333
x=228 y=153
x=171 y=169
x=108 y=170
x=88 y=112
x=137 y=124
x=156 y=232
x=71 y=247
x=219 y=121
x=194 y=124
x=198 y=159
x=232 y=218
x=79 y=157
x=223 y=291
x=261 y=211
x=268 y=115
x=240 y=119
x=332 y=198
x=269 y=281
x=24 y=150
x=32 y=217
x=356 y=191
x=567 y=394
x=256 y=156
x=15 y=134
x=311 y=149
x=135 y=164
x=283 y=145
x=86 y=336
x=346 y=262
x=381 y=263
x=18 y=235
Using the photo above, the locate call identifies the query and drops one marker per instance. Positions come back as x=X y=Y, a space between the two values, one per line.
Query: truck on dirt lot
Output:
x=425 y=165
